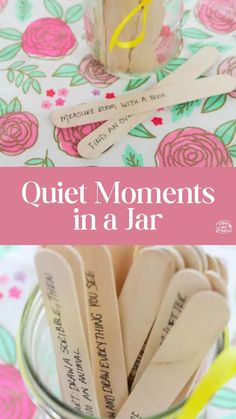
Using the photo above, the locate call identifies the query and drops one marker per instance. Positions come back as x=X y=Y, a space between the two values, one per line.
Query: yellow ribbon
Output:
x=221 y=371
x=131 y=44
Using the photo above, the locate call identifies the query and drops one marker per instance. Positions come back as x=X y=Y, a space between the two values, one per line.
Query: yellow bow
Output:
x=144 y=5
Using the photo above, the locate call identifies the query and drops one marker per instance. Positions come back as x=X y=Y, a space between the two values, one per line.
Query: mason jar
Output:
x=134 y=37
x=37 y=365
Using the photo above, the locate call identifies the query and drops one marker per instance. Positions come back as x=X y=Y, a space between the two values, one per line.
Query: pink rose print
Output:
x=95 y=73
x=192 y=147
x=228 y=66
x=169 y=45
x=48 y=37
x=217 y=15
x=14 y=400
x=69 y=138
x=18 y=132
x=3 y=4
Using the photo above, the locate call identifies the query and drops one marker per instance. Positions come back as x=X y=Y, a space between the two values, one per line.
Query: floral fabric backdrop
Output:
x=17 y=279
x=45 y=64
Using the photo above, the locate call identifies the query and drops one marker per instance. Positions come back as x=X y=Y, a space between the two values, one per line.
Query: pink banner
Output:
x=117 y=206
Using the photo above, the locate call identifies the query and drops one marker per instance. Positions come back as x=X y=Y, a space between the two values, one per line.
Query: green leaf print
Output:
x=185 y=17
x=227 y=132
x=131 y=158
x=221 y=47
x=232 y=150
x=42 y=162
x=74 y=13
x=184 y=109
x=7 y=347
x=3 y=107
x=23 y=10
x=141 y=132
x=54 y=8
x=214 y=103
x=225 y=399
x=135 y=83
x=77 y=80
x=9 y=52
x=66 y=70
x=195 y=33
x=171 y=66
x=10 y=33
x=25 y=76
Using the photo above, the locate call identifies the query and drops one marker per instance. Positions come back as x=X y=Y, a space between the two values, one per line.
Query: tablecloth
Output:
x=17 y=278
x=32 y=85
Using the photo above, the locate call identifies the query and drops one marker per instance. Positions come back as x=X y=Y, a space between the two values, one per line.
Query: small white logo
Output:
x=224 y=227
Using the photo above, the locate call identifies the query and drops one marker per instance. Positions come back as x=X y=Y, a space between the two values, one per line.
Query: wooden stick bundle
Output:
x=141 y=59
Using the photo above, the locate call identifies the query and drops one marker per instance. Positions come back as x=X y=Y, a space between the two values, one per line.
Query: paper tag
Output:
x=63 y=312
x=179 y=356
x=217 y=283
x=73 y=258
x=141 y=298
x=135 y=103
x=112 y=131
x=182 y=287
x=106 y=348
x=122 y=257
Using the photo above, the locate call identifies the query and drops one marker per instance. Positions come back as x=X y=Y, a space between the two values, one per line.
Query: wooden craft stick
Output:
x=136 y=103
x=197 y=65
x=191 y=257
x=122 y=257
x=223 y=269
x=106 y=348
x=179 y=356
x=75 y=261
x=182 y=287
x=213 y=264
x=63 y=312
x=145 y=285
x=217 y=283
x=179 y=261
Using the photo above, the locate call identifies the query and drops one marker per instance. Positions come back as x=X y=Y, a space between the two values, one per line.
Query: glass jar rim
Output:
x=33 y=382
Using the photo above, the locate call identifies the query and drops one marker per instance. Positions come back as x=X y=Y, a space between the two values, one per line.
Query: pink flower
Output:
x=3 y=4
x=46 y=104
x=63 y=92
x=15 y=292
x=50 y=93
x=48 y=37
x=228 y=66
x=192 y=147
x=157 y=121
x=95 y=73
x=15 y=402
x=88 y=29
x=18 y=132
x=69 y=138
x=60 y=102
x=217 y=15
x=169 y=45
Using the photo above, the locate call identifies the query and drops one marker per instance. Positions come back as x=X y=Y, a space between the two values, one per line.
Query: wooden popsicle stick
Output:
x=203 y=256
x=122 y=257
x=106 y=348
x=179 y=356
x=63 y=312
x=223 y=269
x=198 y=64
x=182 y=287
x=147 y=48
x=136 y=103
x=75 y=261
x=191 y=257
x=217 y=283
x=145 y=285
x=179 y=261
x=213 y=264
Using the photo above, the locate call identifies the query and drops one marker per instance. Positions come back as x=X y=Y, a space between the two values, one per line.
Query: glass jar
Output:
x=38 y=368
x=134 y=37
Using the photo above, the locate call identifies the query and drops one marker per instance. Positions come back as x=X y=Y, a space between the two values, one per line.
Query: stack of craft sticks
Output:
x=107 y=18
x=133 y=327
